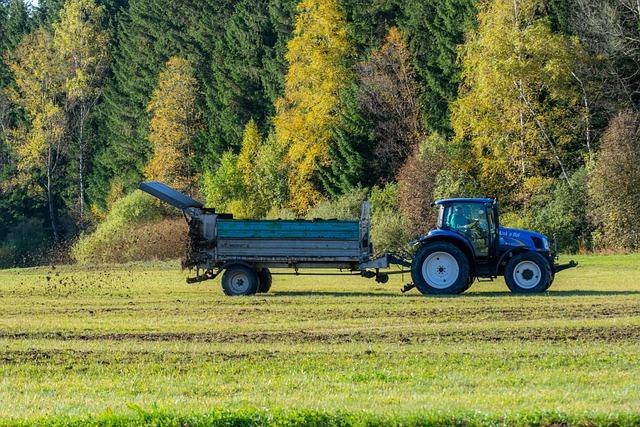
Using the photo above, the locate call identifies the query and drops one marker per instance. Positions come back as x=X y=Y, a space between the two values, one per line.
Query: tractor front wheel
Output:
x=528 y=273
x=441 y=268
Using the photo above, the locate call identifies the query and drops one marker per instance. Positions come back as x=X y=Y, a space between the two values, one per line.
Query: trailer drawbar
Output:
x=467 y=244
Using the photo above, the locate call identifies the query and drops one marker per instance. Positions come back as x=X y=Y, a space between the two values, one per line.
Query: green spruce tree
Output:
x=281 y=17
x=238 y=71
x=149 y=32
x=368 y=22
x=14 y=25
x=434 y=30
x=350 y=147
x=47 y=11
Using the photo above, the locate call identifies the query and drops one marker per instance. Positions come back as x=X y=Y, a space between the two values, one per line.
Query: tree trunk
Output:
x=81 y=167
x=522 y=145
x=545 y=136
x=52 y=214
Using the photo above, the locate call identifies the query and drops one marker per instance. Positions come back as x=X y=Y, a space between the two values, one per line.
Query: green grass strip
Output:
x=248 y=417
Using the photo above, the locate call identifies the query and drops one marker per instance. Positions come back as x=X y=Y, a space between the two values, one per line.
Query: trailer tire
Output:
x=265 y=281
x=441 y=268
x=239 y=279
x=528 y=273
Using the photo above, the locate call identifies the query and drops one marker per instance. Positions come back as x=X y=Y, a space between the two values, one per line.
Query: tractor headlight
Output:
x=545 y=243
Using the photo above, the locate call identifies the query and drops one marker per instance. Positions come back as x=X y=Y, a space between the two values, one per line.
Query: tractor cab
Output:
x=474 y=219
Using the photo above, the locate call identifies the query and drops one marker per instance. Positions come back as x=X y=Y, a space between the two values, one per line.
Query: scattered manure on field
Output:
x=96 y=282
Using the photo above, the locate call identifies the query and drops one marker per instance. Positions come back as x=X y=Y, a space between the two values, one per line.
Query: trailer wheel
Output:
x=528 y=273
x=265 y=279
x=441 y=268
x=239 y=280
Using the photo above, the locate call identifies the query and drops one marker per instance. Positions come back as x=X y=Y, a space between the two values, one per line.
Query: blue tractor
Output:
x=469 y=244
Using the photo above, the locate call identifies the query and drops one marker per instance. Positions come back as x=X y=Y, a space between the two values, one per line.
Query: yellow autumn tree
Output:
x=174 y=123
x=247 y=184
x=519 y=109
x=82 y=44
x=251 y=142
x=306 y=112
x=40 y=148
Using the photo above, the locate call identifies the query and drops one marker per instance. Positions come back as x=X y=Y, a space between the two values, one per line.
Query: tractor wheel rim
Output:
x=527 y=274
x=239 y=282
x=440 y=270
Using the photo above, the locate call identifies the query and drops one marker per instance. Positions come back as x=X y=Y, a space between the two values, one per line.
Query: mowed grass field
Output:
x=125 y=344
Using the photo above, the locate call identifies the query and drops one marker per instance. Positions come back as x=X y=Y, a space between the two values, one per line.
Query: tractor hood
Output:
x=530 y=239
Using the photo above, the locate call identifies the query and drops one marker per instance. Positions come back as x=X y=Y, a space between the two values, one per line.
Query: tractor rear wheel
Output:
x=528 y=273
x=441 y=268
x=239 y=279
x=264 y=276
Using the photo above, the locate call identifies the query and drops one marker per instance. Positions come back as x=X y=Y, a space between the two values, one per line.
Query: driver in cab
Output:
x=458 y=219
x=472 y=226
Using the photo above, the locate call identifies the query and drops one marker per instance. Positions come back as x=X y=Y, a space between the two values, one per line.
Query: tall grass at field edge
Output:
x=249 y=417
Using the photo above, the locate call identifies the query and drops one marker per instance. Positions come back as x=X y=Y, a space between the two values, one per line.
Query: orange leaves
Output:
x=389 y=94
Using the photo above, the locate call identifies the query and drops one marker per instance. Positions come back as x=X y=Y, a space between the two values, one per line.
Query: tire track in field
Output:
x=577 y=311
x=553 y=333
x=77 y=359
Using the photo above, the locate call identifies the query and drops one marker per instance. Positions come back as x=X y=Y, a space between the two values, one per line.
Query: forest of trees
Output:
x=294 y=108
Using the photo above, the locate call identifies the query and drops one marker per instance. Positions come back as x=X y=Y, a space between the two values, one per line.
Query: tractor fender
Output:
x=451 y=237
x=509 y=254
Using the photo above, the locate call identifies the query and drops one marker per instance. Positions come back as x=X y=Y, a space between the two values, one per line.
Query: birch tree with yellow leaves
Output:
x=82 y=44
x=251 y=142
x=307 y=111
x=40 y=148
x=519 y=111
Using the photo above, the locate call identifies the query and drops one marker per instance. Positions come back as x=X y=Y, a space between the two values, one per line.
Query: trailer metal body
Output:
x=218 y=241
x=281 y=243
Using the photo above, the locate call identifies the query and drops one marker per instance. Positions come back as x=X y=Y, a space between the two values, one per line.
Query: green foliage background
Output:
x=238 y=52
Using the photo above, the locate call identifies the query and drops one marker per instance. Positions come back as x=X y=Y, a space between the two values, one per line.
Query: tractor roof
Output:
x=464 y=200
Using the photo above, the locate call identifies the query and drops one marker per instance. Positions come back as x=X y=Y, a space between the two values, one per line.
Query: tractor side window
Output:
x=480 y=231
x=470 y=220
x=480 y=217
x=441 y=217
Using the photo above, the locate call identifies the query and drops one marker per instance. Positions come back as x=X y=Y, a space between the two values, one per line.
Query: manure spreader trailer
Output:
x=467 y=244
